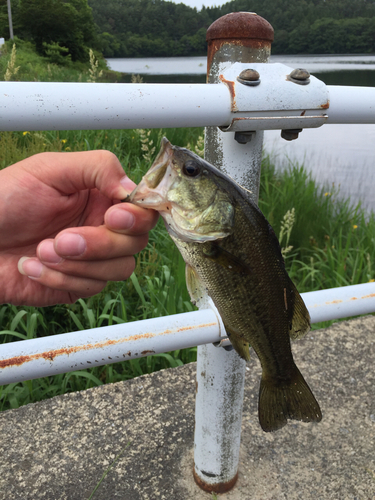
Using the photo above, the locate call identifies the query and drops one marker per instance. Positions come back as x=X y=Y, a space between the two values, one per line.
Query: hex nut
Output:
x=290 y=134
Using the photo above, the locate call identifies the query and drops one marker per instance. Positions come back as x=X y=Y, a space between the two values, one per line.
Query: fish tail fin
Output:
x=288 y=400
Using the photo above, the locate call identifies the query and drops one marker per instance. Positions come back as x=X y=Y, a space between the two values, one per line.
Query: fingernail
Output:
x=46 y=252
x=30 y=267
x=70 y=245
x=118 y=218
x=127 y=184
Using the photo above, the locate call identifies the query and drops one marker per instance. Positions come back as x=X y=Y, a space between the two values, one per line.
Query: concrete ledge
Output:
x=60 y=448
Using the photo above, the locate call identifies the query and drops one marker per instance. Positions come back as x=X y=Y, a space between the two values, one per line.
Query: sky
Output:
x=198 y=3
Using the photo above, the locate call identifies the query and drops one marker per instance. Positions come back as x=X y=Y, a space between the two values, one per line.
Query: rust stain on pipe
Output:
x=371 y=296
x=51 y=355
x=334 y=302
x=216 y=488
x=232 y=90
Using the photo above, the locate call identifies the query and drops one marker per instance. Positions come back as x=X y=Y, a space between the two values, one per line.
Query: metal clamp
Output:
x=275 y=102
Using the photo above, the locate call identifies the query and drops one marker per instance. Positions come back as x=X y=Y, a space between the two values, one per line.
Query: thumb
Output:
x=72 y=172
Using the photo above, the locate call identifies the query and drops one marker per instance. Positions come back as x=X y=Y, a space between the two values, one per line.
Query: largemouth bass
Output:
x=233 y=256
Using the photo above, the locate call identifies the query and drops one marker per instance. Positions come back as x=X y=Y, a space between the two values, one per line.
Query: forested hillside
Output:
x=315 y=26
x=130 y=28
x=136 y=28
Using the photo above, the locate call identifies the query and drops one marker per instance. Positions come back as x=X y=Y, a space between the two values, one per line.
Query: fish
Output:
x=232 y=255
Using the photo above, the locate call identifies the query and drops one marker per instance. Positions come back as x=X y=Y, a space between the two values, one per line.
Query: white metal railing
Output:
x=94 y=106
x=46 y=356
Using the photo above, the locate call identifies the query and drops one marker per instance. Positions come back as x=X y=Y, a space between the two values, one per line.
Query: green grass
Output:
x=331 y=239
x=32 y=67
x=156 y=288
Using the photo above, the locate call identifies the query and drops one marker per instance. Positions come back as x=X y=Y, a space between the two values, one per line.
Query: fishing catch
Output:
x=233 y=256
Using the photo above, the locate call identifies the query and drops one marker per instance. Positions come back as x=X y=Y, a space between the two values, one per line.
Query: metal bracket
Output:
x=277 y=102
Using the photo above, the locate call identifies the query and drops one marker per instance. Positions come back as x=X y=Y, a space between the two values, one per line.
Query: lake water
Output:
x=343 y=155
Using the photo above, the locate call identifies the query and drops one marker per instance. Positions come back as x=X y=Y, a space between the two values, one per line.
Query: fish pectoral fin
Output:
x=301 y=318
x=279 y=402
x=196 y=289
x=213 y=251
x=240 y=345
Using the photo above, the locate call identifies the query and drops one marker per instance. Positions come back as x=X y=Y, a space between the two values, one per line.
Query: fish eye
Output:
x=191 y=168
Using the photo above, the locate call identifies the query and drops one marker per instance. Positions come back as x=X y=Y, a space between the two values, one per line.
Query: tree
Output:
x=67 y=23
x=159 y=27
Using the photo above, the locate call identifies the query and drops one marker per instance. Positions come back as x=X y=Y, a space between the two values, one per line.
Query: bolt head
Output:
x=300 y=74
x=250 y=75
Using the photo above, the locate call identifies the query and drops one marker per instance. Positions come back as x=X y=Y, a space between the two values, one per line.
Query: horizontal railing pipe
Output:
x=95 y=106
x=27 y=106
x=34 y=358
x=341 y=302
x=46 y=356
x=351 y=104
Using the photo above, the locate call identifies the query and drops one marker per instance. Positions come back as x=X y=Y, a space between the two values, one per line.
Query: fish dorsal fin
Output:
x=301 y=316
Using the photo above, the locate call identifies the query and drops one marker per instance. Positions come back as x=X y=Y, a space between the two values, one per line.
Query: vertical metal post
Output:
x=10 y=20
x=238 y=37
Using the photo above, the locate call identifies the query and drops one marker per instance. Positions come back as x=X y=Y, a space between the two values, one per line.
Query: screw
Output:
x=300 y=76
x=290 y=134
x=249 y=77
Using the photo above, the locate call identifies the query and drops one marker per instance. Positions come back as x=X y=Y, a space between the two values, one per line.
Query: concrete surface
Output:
x=59 y=449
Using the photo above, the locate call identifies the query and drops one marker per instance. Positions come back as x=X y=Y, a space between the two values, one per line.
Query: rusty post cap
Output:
x=237 y=25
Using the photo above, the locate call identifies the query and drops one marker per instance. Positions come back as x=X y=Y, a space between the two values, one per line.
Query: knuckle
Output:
x=63 y=282
x=107 y=157
x=141 y=242
x=128 y=268
x=93 y=288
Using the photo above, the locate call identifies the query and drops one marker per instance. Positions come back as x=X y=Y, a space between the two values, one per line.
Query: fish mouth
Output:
x=151 y=192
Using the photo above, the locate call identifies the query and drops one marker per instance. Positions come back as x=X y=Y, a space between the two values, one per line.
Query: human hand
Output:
x=63 y=232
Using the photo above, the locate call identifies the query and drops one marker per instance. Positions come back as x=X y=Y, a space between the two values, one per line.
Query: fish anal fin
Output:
x=240 y=345
x=279 y=402
x=301 y=318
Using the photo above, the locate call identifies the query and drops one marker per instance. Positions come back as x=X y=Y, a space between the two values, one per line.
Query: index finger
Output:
x=72 y=172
